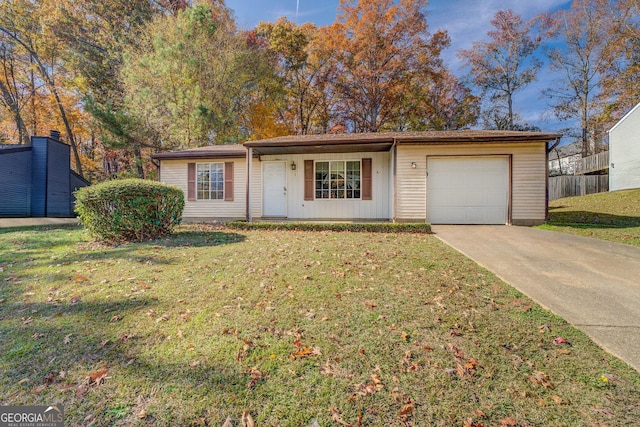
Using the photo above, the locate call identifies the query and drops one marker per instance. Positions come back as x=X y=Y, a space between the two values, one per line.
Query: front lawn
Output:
x=613 y=216
x=295 y=328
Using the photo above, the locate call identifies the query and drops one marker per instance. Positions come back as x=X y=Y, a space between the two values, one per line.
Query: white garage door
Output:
x=467 y=190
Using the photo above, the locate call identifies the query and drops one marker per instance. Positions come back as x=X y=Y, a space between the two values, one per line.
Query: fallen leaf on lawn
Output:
x=327 y=369
x=115 y=318
x=543 y=328
x=406 y=411
x=508 y=422
x=67 y=339
x=39 y=388
x=50 y=377
x=479 y=413
x=98 y=377
x=74 y=299
x=162 y=318
x=371 y=387
x=142 y=414
x=255 y=376
x=305 y=351
x=336 y=416
x=195 y=364
x=125 y=337
x=560 y=341
x=185 y=315
x=247 y=420
x=559 y=400
x=457 y=353
x=370 y=304
x=405 y=336
x=563 y=351
x=227 y=422
x=37 y=335
x=80 y=278
x=396 y=394
x=541 y=379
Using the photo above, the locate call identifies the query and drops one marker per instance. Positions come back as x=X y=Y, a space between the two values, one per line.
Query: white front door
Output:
x=467 y=190
x=274 y=191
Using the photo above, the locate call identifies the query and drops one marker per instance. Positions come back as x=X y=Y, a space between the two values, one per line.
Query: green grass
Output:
x=371 y=329
x=613 y=216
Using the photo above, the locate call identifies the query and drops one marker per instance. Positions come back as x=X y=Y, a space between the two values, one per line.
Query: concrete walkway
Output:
x=27 y=222
x=593 y=284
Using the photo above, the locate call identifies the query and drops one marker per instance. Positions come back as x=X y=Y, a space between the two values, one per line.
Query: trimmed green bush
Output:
x=129 y=209
x=379 y=227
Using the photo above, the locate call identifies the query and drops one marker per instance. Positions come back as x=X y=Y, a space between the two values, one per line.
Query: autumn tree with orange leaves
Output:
x=380 y=48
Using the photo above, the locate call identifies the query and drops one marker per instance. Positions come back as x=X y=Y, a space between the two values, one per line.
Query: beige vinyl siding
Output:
x=528 y=197
x=175 y=172
x=298 y=208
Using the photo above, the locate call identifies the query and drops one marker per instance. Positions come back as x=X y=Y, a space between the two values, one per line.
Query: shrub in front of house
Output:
x=129 y=209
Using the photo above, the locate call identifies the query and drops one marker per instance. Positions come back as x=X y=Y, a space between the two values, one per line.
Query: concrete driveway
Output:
x=593 y=284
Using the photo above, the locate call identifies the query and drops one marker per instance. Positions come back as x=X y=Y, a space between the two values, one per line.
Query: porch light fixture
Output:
x=414 y=165
x=293 y=165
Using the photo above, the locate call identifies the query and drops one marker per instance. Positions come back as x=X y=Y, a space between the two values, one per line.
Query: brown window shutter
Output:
x=366 y=179
x=308 y=179
x=228 y=181
x=191 y=182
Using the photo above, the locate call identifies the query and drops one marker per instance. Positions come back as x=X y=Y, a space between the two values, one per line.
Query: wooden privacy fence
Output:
x=577 y=185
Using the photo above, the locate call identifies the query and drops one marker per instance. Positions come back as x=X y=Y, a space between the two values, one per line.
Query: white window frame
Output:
x=218 y=192
x=344 y=189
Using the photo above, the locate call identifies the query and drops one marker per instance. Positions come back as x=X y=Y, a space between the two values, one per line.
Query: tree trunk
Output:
x=12 y=103
x=510 y=102
x=137 y=153
x=34 y=122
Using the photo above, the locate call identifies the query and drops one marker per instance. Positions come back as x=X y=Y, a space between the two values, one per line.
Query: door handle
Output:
x=285 y=189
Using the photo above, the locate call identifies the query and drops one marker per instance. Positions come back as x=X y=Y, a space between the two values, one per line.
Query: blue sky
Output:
x=465 y=21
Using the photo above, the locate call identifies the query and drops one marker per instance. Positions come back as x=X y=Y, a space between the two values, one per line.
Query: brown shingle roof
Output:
x=218 y=151
x=460 y=136
x=350 y=142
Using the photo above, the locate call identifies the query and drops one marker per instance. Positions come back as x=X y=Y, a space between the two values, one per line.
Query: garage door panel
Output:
x=467 y=190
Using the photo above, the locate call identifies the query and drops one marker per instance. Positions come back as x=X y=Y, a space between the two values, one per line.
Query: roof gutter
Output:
x=554 y=145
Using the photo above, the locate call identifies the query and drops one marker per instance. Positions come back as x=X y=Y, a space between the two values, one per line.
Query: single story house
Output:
x=36 y=180
x=444 y=177
x=624 y=152
x=562 y=159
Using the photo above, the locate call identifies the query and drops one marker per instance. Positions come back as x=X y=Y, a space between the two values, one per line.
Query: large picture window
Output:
x=338 y=180
x=210 y=181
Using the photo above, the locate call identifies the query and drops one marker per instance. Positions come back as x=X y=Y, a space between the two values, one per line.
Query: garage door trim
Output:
x=509 y=158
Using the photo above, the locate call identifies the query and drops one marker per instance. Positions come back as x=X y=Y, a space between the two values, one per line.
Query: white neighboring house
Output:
x=562 y=159
x=624 y=152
